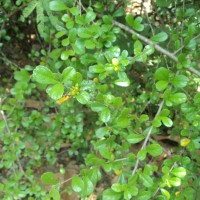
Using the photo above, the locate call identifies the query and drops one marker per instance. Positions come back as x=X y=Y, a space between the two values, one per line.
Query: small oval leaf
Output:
x=49 y=178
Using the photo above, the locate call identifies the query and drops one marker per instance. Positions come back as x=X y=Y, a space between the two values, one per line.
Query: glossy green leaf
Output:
x=68 y=73
x=138 y=45
x=22 y=75
x=106 y=153
x=84 y=33
x=160 y=37
x=166 y=193
x=188 y=108
x=72 y=35
x=179 y=172
x=105 y=115
x=92 y=160
x=162 y=74
x=74 y=11
x=144 y=195
x=116 y=187
x=134 y=138
x=154 y=149
x=77 y=78
x=107 y=19
x=97 y=106
x=79 y=46
x=127 y=195
x=123 y=83
x=165 y=113
x=77 y=184
x=180 y=81
x=137 y=24
x=122 y=122
x=65 y=42
x=146 y=180
x=109 y=194
x=88 y=186
x=167 y=121
x=149 y=50
x=57 y=5
x=70 y=24
x=83 y=97
x=129 y=19
x=175 y=181
x=197 y=98
x=97 y=68
x=49 y=178
x=144 y=117
x=89 y=44
x=142 y=154
x=133 y=190
x=90 y=16
x=178 y=98
x=94 y=175
x=65 y=54
x=101 y=132
x=44 y=75
x=156 y=122
x=60 y=34
x=54 y=194
x=55 y=91
x=161 y=85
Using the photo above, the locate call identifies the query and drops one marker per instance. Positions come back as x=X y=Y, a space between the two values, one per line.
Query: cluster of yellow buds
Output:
x=115 y=63
x=73 y=92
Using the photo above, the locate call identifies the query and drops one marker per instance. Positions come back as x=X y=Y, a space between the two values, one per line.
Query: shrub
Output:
x=117 y=82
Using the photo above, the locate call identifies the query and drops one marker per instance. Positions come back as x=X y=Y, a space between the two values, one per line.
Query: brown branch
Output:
x=156 y=46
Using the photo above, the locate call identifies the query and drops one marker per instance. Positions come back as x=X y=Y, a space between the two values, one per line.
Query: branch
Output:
x=156 y=46
x=9 y=132
x=147 y=137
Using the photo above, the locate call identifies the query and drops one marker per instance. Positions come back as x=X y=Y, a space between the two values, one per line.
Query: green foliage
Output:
x=108 y=95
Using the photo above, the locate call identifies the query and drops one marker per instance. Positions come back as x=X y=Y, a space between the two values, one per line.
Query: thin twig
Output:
x=5 y=59
x=196 y=37
x=147 y=137
x=9 y=132
x=153 y=33
x=156 y=46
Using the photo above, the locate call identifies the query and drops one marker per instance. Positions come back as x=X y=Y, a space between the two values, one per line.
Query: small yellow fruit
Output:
x=118 y=172
x=95 y=80
x=184 y=142
x=116 y=68
x=43 y=63
x=115 y=61
x=177 y=193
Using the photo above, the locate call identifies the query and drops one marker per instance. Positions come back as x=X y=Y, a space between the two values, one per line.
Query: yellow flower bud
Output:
x=118 y=172
x=184 y=142
x=95 y=80
x=116 y=68
x=62 y=99
x=115 y=61
x=177 y=193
